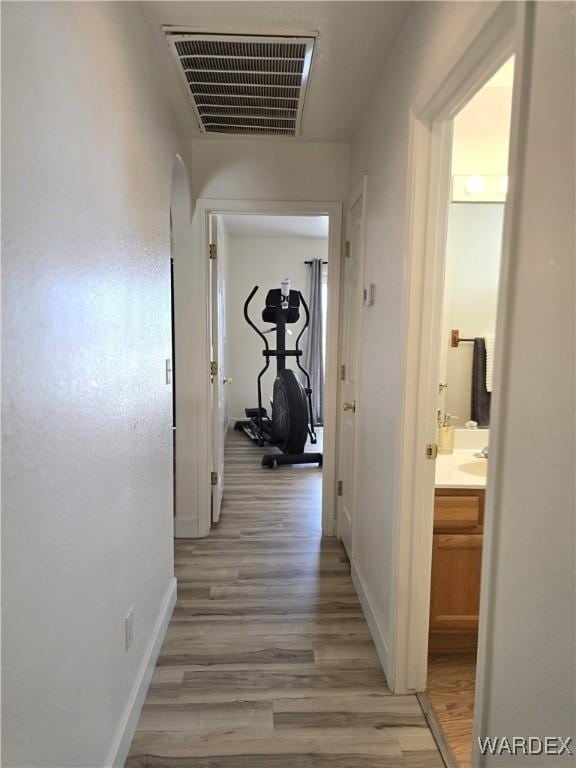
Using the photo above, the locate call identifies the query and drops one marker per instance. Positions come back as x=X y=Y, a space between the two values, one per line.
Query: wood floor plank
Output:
x=236 y=719
x=451 y=691
x=268 y=661
x=182 y=744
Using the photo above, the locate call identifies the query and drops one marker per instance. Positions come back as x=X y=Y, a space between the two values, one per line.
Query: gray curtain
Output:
x=313 y=359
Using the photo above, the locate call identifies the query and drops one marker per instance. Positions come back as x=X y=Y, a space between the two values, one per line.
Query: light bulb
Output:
x=475 y=185
x=504 y=185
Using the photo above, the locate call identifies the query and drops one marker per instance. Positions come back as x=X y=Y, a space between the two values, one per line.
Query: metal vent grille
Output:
x=244 y=84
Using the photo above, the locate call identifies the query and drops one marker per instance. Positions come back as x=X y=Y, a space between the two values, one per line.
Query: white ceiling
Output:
x=246 y=225
x=504 y=77
x=481 y=140
x=354 y=39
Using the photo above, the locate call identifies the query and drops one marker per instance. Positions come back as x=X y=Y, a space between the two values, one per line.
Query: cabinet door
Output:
x=455 y=594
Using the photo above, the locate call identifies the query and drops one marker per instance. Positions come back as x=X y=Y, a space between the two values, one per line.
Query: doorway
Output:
x=250 y=245
x=490 y=41
x=257 y=257
x=472 y=266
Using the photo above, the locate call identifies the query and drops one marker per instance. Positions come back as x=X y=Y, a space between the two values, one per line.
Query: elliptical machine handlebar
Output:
x=267 y=349
x=249 y=320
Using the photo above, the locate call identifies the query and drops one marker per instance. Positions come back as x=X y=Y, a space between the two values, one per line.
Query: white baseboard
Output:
x=125 y=733
x=185 y=529
x=373 y=625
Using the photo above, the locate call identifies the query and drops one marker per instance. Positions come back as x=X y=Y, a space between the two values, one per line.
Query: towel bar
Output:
x=456 y=338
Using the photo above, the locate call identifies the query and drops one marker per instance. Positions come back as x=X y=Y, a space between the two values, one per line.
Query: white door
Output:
x=352 y=275
x=218 y=330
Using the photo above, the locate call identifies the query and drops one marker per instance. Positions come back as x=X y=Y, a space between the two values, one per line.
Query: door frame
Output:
x=359 y=193
x=216 y=390
x=490 y=39
x=205 y=207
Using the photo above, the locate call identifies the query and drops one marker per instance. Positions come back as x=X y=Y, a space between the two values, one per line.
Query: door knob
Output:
x=349 y=406
x=226 y=380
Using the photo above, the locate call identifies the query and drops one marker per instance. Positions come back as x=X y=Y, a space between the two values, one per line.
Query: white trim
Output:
x=125 y=733
x=197 y=521
x=205 y=207
x=186 y=529
x=376 y=632
x=480 y=50
x=359 y=193
x=508 y=278
x=430 y=171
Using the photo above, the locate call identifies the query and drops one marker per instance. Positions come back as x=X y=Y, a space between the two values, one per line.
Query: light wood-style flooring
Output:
x=451 y=684
x=268 y=662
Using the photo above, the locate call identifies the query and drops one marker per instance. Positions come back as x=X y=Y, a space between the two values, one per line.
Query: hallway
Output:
x=268 y=662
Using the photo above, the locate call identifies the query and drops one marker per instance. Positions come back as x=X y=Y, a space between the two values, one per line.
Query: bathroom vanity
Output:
x=457 y=548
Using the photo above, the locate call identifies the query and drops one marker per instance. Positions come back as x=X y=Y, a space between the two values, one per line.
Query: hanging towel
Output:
x=480 y=395
x=489 y=361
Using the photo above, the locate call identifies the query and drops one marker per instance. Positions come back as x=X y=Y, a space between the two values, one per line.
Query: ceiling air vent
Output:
x=244 y=84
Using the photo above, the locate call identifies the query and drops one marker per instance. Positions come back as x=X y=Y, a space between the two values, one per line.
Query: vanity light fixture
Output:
x=475 y=185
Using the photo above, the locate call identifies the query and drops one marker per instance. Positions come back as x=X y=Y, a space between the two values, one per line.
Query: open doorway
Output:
x=269 y=285
x=472 y=265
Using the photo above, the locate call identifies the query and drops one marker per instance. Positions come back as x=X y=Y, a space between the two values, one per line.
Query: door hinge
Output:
x=213 y=250
x=342 y=373
x=431 y=451
x=213 y=368
x=340 y=484
x=213 y=478
x=347 y=249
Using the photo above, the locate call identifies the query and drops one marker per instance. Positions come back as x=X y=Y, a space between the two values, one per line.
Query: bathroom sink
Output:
x=476 y=468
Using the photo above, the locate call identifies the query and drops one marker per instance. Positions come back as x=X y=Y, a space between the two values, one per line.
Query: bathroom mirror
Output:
x=473 y=255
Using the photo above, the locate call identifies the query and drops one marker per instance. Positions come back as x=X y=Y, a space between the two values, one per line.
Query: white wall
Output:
x=247 y=169
x=380 y=150
x=527 y=664
x=473 y=257
x=526 y=672
x=262 y=261
x=87 y=152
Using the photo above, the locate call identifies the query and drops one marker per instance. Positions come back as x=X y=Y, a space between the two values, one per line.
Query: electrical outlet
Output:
x=129 y=629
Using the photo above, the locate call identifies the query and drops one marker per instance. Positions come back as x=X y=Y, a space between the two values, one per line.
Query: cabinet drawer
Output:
x=457 y=512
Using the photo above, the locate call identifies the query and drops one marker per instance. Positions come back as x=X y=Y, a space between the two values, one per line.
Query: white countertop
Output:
x=460 y=469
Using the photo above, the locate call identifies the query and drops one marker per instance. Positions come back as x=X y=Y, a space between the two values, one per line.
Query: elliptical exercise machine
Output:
x=292 y=418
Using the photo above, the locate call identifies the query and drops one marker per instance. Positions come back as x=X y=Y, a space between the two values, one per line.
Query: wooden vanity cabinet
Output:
x=456 y=567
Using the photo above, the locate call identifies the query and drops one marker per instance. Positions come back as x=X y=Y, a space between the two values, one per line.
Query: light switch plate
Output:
x=369 y=295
